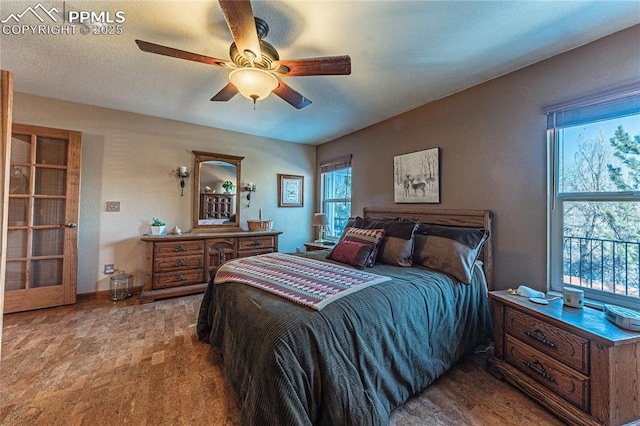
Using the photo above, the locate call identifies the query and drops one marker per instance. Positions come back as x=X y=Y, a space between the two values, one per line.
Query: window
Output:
x=336 y=195
x=594 y=207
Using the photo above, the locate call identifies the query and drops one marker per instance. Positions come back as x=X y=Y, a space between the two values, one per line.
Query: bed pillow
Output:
x=352 y=253
x=373 y=237
x=375 y=223
x=396 y=247
x=450 y=249
x=353 y=222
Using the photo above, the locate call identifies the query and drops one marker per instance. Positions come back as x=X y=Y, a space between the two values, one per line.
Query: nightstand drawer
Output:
x=559 y=344
x=564 y=381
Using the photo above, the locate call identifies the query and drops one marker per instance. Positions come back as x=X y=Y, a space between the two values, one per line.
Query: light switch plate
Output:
x=113 y=206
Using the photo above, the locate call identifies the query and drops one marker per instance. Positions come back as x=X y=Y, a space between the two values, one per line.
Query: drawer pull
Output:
x=540 y=337
x=256 y=243
x=181 y=262
x=180 y=248
x=179 y=278
x=539 y=369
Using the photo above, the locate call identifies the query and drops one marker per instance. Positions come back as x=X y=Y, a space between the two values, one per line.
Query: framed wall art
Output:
x=290 y=191
x=417 y=177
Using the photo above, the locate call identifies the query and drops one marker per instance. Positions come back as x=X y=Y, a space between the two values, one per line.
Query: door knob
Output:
x=69 y=225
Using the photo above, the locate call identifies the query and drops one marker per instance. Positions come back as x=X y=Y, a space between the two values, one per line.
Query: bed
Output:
x=355 y=360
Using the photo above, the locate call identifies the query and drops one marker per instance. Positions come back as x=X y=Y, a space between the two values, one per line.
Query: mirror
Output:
x=216 y=208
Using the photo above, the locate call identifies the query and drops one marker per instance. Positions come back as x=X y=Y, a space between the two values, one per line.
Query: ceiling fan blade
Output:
x=242 y=24
x=290 y=96
x=146 y=46
x=329 y=65
x=227 y=92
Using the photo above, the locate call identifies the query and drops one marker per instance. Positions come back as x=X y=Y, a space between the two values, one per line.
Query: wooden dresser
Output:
x=573 y=361
x=177 y=265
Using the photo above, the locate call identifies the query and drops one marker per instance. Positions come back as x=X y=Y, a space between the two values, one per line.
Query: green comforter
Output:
x=354 y=361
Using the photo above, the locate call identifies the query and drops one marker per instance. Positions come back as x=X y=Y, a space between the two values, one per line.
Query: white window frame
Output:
x=335 y=165
x=556 y=200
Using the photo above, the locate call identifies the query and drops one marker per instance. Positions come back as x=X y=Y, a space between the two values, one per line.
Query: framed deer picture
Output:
x=417 y=177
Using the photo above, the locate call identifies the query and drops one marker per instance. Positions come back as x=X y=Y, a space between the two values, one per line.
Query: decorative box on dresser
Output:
x=573 y=361
x=177 y=265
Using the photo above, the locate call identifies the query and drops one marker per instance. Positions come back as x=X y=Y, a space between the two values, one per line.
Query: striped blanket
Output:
x=309 y=282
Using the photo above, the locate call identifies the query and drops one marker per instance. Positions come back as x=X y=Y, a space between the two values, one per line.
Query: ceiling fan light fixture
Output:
x=253 y=83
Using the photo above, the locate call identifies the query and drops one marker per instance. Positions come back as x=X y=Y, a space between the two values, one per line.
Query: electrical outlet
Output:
x=113 y=206
x=108 y=268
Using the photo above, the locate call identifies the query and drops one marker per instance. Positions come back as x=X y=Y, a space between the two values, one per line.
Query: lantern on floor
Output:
x=121 y=286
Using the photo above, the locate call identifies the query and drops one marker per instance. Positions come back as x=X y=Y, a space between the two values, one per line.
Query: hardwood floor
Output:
x=113 y=363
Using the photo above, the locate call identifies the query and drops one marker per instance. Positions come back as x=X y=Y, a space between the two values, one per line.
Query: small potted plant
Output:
x=157 y=227
x=228 y=186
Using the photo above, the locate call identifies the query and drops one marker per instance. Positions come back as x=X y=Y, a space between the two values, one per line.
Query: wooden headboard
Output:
x=468 y=218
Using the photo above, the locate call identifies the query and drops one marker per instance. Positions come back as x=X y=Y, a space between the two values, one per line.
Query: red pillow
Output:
x=372 y=237
x=352 y=253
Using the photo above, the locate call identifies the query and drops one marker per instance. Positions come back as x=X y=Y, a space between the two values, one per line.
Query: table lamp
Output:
x=320 y=220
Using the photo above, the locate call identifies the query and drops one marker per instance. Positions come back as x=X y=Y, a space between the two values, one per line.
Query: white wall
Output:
x=130 y=158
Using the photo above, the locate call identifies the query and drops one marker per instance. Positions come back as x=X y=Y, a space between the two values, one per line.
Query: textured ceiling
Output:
x=404 y=54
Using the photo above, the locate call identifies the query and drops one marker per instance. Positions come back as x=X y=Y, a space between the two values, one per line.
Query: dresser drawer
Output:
x=256 y=243
x=249 y=253
x=564 y=381
x=176 y=279
x=559 y=344
x=179 y=248
x=181 y=263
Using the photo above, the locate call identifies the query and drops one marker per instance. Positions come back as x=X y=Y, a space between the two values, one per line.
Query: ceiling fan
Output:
x=256 y=68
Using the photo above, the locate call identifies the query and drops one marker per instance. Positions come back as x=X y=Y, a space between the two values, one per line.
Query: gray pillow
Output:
x=449 y=249
x=396 y=247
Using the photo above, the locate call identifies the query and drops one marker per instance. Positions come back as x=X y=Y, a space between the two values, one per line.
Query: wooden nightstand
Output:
x=573 y=361
x=318 y=246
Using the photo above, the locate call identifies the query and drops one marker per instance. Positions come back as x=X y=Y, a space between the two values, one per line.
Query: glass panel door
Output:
x=43 y=211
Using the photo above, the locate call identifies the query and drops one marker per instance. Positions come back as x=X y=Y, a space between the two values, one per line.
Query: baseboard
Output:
x=104 y=294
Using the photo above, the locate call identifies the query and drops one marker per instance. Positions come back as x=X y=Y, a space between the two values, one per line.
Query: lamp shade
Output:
x=320 y=219
x=253 y=83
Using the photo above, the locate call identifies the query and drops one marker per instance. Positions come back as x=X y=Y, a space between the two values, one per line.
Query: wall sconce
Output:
x=250 y=187
x=320 y=221
x=182 y=174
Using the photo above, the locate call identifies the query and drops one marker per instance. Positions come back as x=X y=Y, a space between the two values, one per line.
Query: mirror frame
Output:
x=200 y=157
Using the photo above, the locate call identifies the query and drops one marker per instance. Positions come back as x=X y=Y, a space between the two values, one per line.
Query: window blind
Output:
x=335 y=164
x=620 y=102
